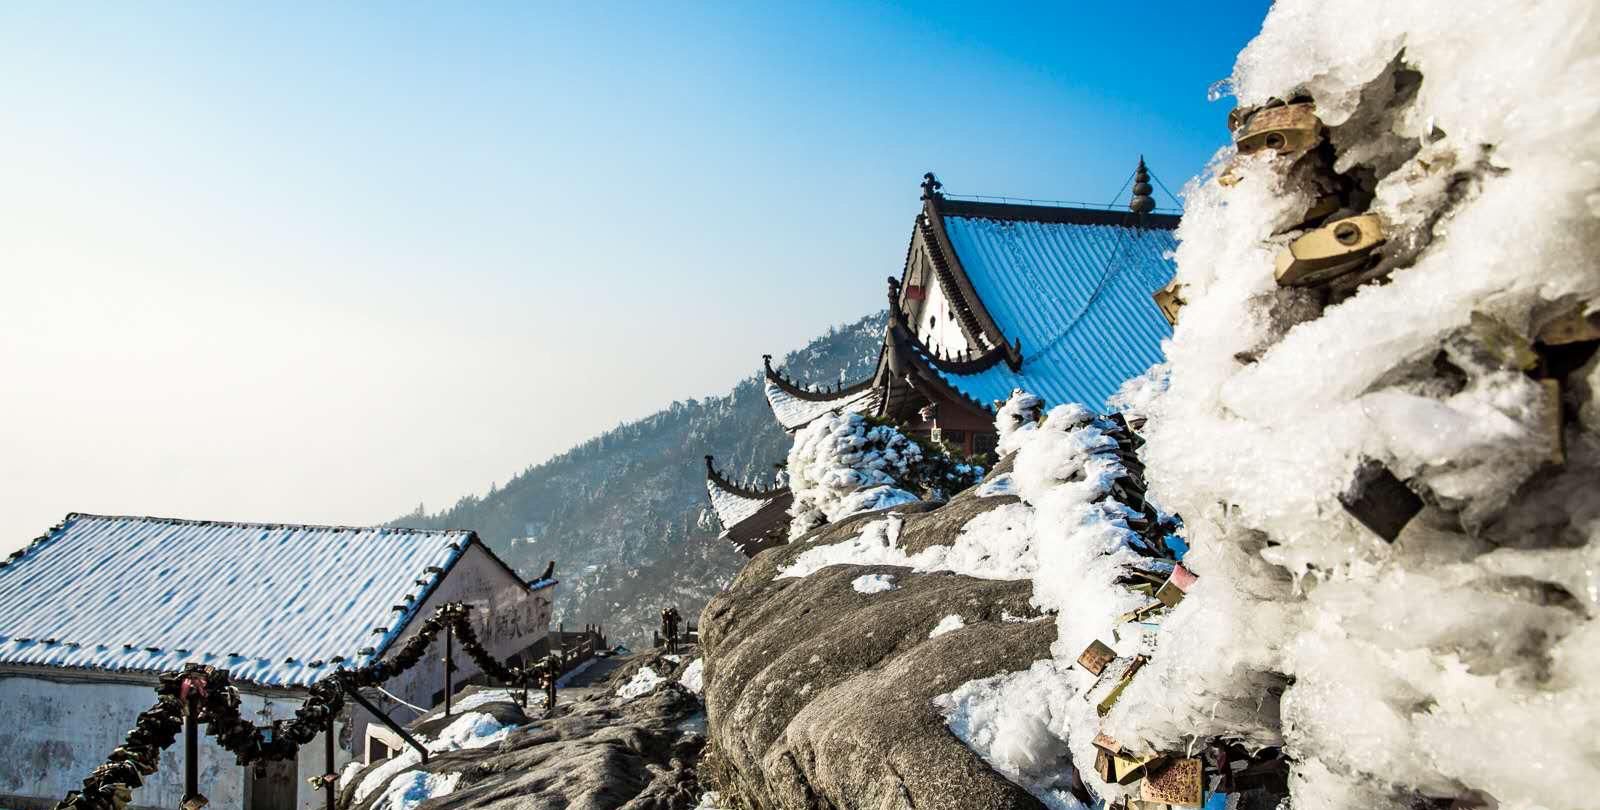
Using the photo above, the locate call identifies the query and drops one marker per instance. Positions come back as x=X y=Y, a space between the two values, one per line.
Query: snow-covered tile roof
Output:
x=1079 y=297
x=733 y=508
x=272 y=604
x=794 y=412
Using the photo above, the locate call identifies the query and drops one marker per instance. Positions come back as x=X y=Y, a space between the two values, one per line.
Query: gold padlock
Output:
x=1170 y=300
x=1129 y=768
x=1095 y=657
x=1178 y=782
x=1103 y=768
x=1113 y=679
x=1329 y=251
x=1287 y=129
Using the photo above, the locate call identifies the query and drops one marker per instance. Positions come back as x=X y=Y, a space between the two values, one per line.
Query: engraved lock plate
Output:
x=1329 y=251
x=1113 y=679
x=1095 y=657
x=1179 y=782
x=1289 y=129
x=1129 y=769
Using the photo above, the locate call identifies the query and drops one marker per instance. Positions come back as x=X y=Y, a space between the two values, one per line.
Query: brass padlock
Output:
x=193 y=801
x=1173 y=590
x=1178 y=782
x=1170 y=300
x=1113 y=679
x=1329 y=251
x=1095 y=657
x=1287 y=129
x=1106 y=744
x=1129 y=768
x=1103 y=768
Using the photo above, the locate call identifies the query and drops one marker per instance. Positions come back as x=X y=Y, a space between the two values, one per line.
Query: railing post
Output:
x=448 y=664
x=193 y=686
x=330 y=777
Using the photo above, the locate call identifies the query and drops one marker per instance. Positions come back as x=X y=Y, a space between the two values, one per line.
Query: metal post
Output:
x=386 y=720
x=330 y=776
x=448 y=664
x=191 y=751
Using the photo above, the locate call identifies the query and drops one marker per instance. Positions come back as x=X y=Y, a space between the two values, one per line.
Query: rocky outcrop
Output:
x=819 y=695
x=596 y=751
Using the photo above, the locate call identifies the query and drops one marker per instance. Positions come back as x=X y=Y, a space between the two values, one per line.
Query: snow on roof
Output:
x=794 y=412
x=273 y=604
x=733 y=508
x=1078 y=295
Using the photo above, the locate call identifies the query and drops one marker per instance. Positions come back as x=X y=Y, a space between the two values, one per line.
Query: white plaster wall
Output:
x=52 y=733
x=944 y=333
x=507 y=617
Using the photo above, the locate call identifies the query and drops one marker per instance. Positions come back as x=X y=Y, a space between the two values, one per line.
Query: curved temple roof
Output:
x=1077 y=296
x=273 y=604
x=795 y=407
x=752 y=518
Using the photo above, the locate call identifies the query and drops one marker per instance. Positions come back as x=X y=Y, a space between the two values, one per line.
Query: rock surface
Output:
x=596 y=751
x=819 y=696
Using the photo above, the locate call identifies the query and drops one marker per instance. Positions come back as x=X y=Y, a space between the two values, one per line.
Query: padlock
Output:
x=1179 y=782
x=1573 y=326
x=1095 y=657
x=1106 y=744
x=1129 y=768
x=1172 y=591
x=1330 y=251
x=1113 y=679
x=1170 y=300
x=193 y=801
x=1142 y=613
x=1286 y=129
x=1379 y=500
x=1102 y=767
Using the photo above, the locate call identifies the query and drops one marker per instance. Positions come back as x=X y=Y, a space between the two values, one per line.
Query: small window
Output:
x=932 y=321
x=376 y=750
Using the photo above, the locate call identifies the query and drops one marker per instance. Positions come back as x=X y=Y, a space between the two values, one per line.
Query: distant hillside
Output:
x=625 y=515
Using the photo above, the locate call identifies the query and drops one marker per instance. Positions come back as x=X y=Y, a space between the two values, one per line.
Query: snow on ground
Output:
x=483 y=696
x=643 y=683
x=710 y=800
x=997 y=544
x=577 y=671
x=1002 y=484
x=948 y=624
x=873 y=583
x=410 y=790
x=693 y=678
x=1016 y=723
x=470 y=730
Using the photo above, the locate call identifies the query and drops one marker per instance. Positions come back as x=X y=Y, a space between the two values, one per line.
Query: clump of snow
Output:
x=997 y=544
x=482 y=696
x=1013 y=420
x=1016 y=722
x=873 y=583
x=710 y=800
x=948 y=624
x=842 y=465
x=693 y=678
x=469 y=731
x=643 y=683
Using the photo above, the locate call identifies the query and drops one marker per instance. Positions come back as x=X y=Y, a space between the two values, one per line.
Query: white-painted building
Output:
x=91 y=612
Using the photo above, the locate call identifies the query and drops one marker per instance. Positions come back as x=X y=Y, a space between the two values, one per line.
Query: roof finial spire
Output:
x=931 y=186
x=1141 y=202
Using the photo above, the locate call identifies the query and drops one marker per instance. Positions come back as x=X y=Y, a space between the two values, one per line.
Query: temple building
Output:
x=1059 y=300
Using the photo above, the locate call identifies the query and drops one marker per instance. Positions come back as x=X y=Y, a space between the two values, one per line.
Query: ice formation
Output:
x=1442 y=659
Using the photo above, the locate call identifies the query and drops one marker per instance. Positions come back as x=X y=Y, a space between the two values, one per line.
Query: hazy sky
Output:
x=319 y=265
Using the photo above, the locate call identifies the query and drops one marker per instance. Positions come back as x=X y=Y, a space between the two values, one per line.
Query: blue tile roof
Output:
x=262 y=601
x=1079 y=297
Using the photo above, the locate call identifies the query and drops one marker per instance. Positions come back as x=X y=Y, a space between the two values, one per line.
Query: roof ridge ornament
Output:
x=1140 y=202
x=931 y=186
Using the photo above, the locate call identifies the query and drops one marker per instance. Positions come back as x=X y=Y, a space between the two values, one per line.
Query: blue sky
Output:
x=316 y=264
